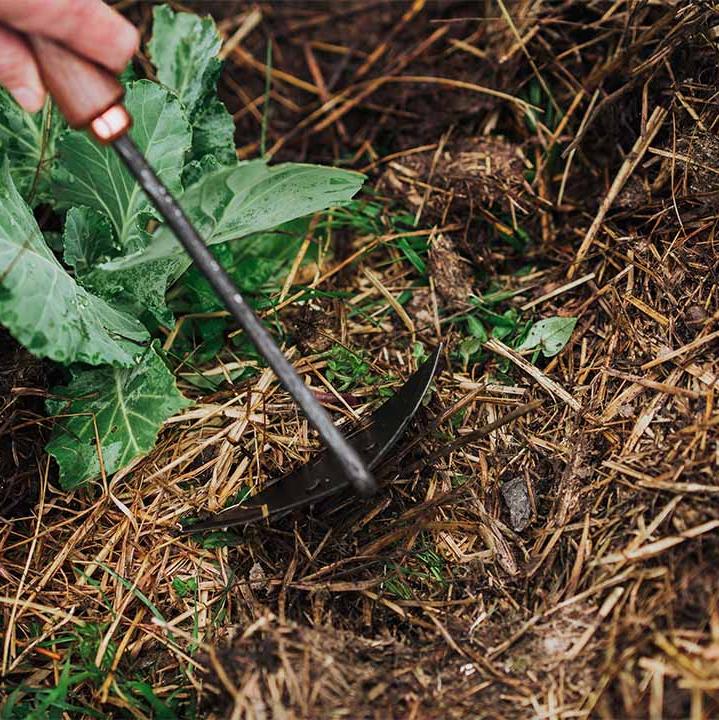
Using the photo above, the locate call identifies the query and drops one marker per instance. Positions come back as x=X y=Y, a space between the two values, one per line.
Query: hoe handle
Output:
x=82 y=90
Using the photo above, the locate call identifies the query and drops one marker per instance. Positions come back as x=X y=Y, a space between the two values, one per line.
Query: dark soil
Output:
x=440 y=597
x=22 y=379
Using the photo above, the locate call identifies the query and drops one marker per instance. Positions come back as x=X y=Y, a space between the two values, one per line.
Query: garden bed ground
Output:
x=526 y=160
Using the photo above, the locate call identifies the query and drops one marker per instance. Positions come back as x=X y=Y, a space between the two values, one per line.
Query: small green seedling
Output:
x=550 y=335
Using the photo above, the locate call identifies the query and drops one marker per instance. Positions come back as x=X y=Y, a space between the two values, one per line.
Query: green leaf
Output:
x=139 y=290
x=160 y=710
x=184 y=49
x=213 y=133
x=184 y=587
x=550 y=335
x=227 y=204
x=127 y=405
x=92 y=175
x=218 y=539
x=195 y=170
x=412 y=255
x=347 y=369
x=501 y=331
x=28 y=141
x=256 y=263
x=87 y=239
x=468 y=347
x=232 y=203
x=43 y=307
x=476 y=329
x=57 y=696
x=132 y=587
x=419 y=353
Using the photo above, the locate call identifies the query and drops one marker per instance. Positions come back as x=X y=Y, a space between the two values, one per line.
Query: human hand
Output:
x=87 y=27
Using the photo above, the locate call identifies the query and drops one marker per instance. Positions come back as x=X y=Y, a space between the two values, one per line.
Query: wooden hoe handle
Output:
x=82 y=90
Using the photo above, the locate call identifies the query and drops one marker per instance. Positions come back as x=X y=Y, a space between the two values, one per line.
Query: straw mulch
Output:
x=598 y=596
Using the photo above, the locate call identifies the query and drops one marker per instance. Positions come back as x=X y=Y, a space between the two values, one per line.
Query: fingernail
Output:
x=30 y=99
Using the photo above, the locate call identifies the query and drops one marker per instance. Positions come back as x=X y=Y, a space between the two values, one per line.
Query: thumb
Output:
x=18 y=71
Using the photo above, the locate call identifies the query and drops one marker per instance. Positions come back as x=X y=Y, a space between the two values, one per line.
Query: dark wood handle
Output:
x=80 y=88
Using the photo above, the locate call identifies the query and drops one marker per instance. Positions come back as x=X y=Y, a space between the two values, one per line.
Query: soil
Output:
x=582 y=656
x=22 y=383
x=590 y=590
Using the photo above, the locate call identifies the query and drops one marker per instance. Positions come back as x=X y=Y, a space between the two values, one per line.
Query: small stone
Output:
x=696 y=315
x=516 y=496
x=258 y=579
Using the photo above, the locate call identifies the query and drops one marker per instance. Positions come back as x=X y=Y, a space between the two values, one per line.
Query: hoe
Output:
x=91 y=98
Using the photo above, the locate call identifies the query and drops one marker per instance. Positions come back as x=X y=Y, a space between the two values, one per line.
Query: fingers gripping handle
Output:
x=82 y=90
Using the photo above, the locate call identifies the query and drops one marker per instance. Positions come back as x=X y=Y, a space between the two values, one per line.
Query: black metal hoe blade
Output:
x=315 y=481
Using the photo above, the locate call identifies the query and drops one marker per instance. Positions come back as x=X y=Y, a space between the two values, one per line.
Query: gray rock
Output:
x=516 y=496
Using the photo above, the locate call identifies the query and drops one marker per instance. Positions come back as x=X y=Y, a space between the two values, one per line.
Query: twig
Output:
x=552 y=387
x=625 y=172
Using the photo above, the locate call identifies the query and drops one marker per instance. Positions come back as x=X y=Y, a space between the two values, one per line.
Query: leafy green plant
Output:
x=184 y=587
x=396 y=586
x=473 y=343
x=548 y=336
x=92 y=296
x=347 y=369
x=123 y=407
x=80 y=676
